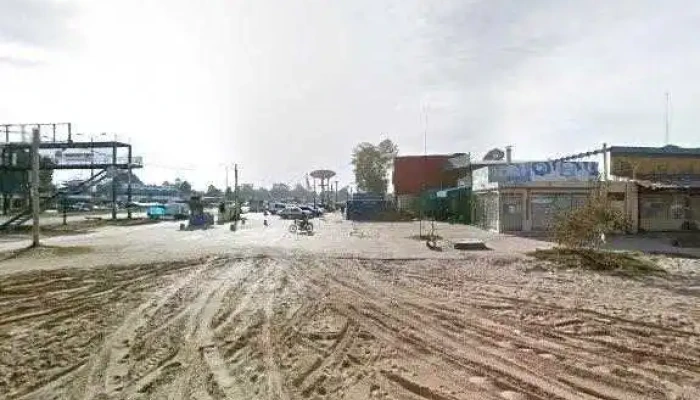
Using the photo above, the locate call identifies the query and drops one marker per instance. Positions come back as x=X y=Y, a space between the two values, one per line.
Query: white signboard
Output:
x=80 y=158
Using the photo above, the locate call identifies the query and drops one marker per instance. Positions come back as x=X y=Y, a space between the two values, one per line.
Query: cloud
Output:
x=552 y=76
x=37 y=23
x=283 y=88
x=19 y=62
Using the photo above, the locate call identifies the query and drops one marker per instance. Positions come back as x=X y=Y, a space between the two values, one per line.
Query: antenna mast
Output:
x=668 y=123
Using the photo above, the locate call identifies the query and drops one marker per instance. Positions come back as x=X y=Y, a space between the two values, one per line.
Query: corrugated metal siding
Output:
x=545 y=207
x=512 y=212
x=666 y=211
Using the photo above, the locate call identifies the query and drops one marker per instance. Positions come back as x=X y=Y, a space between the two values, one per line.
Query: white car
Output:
x=291 y=213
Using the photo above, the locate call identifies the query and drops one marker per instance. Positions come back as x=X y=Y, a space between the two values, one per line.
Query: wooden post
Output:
x=605 y=162
x=35 y=187
x=114 y=180
x=235 y=187
x=128 y=186
x=64 y=201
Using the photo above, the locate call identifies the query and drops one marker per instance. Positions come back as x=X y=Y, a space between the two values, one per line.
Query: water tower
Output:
x=324 y=175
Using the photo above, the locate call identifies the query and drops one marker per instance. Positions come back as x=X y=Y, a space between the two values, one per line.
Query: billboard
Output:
x=80 y=158
x=564 y=171
x=544 y=171
x=537 y=171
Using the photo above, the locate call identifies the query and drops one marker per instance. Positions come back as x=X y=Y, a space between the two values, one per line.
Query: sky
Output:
x=285 y=87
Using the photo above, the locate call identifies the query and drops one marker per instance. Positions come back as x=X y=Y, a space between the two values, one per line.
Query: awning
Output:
x=668 y=185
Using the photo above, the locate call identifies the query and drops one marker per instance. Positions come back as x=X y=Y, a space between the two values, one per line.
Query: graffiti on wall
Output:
x=517 y=172
x=564 y=171
x=536 y=171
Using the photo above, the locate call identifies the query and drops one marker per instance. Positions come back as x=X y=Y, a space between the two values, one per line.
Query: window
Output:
x=616 y=196
x=656 y=207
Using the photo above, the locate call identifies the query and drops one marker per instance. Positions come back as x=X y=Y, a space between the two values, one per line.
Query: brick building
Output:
x=413 y=175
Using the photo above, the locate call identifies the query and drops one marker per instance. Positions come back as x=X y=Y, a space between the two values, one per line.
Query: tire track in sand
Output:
x=110 y=361
x=211 y=372
x=276 y=390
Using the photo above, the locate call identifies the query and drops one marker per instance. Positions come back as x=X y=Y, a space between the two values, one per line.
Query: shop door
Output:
x=511 y=212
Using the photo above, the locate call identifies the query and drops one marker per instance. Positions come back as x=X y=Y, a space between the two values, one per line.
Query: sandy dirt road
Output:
x=313 y=326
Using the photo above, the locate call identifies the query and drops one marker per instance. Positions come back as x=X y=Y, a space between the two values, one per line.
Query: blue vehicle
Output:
x=198 y=219
x=155 y=212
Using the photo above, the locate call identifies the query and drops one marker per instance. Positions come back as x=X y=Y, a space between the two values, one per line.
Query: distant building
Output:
x=139 y=193
x=526 y=196
x=657 y=189
x=149 y=193
x=663 y=185
x=413 y=175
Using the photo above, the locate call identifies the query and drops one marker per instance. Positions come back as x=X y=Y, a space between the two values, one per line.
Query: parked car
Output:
x=310 y=211
x=291 y=213
x=277 y=207
x=318 y=211
x=81 y=207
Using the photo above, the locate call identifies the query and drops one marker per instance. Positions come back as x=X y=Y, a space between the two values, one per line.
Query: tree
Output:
x=184 y=187
x=343 y=194
x=122 y=178
x=213 y=191
x=279 y=191
x=228 y=194
x=371 y=165
x=580 y=235
x=246 y=192
x=300 y=194
x=262 y=194
x=586 y=226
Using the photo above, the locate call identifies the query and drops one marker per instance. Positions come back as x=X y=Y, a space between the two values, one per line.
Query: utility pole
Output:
x=235 y=185
x=128 y=184
x=605 y=162
x=226 y=186
x=64 y=201
x=336 y=193
x=35 y=187
x=425 y=164
x=114 y=180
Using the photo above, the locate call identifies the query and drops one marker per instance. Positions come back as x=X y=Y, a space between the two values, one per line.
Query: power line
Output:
x=171 y=167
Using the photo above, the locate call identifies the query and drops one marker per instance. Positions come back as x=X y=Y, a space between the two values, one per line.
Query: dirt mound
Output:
x=598 y=260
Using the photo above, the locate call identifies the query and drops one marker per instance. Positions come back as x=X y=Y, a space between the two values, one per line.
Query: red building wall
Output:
x=410 y=172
